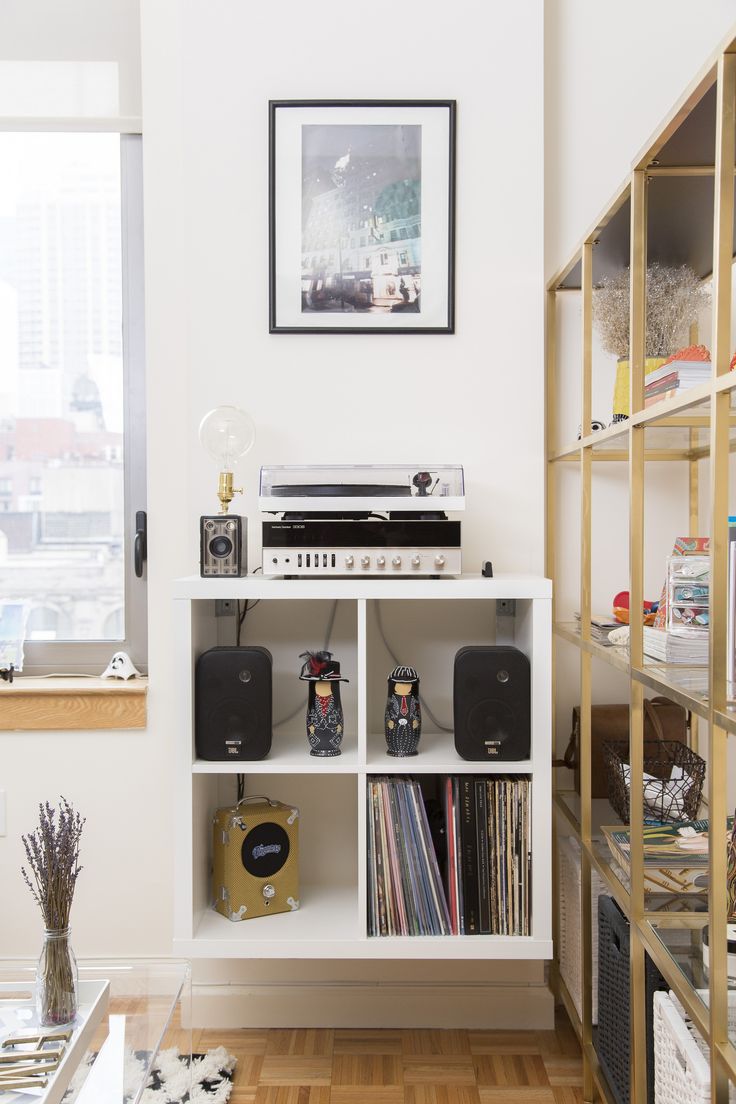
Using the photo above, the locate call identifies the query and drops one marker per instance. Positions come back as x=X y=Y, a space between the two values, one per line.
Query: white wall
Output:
x=613 y=71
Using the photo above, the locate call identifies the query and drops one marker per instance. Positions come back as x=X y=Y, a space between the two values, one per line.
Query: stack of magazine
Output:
x=471 y=876
x=690 y=649
x=675 y=855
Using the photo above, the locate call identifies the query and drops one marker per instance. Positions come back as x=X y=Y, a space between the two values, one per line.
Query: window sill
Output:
x=72 y=703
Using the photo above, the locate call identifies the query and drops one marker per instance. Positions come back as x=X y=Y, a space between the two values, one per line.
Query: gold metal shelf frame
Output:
x=696 y=143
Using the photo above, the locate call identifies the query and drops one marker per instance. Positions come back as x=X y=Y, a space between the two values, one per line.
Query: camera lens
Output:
x=221 y=547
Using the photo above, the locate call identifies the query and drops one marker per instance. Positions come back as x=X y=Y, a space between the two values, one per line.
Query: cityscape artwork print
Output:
x=361 y=219
x=361 y=230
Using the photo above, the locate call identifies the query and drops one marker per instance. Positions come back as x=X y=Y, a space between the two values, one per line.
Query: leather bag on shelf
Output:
x=663 y=720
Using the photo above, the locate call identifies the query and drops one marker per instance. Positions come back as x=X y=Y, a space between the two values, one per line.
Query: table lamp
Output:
x=227 y=434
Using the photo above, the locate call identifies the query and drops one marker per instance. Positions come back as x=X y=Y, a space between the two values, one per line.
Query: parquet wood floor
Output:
x=355 y=1066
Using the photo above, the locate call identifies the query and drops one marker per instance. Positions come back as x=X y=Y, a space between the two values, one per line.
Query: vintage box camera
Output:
x=223 y=546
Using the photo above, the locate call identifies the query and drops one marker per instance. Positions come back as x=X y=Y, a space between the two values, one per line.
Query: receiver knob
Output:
x=381 y=561
x=365 y=561
x=439 y=561
x=396 y=561
x=349 y=561
x=416 y=561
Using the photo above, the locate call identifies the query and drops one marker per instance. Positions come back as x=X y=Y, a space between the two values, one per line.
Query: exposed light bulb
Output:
x=227 y=434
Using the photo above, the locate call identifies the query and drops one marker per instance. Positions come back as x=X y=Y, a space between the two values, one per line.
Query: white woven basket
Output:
x=570 y=944
x=681 y=1063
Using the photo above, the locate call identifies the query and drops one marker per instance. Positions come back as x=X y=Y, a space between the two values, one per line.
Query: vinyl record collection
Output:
x=470 y=876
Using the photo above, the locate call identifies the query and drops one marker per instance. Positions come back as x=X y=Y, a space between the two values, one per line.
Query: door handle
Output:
x=140 y=543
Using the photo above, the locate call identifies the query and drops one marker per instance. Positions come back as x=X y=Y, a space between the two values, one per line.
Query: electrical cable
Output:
x=246 y=609
x=240 y=778
x=328 y=637
x=397 y=661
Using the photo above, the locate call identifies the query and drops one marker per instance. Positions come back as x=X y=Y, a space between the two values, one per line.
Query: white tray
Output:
x=18 y=1014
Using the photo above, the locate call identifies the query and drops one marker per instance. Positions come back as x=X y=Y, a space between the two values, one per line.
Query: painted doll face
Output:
x=403 y=688
x=322 y=689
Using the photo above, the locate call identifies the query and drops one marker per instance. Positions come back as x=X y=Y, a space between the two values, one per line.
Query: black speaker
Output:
x=492 y=704
x=233 y=704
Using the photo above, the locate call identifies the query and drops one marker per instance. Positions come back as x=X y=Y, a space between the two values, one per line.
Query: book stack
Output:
x=405 y=891
x=474 y=879
x=677 y=375
x=488 y=874
x=675 y=855
x=600 y=627
x=690 y=650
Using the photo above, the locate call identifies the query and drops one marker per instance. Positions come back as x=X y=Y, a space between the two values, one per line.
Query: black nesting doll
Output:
x=325 y=723
x=403 y=718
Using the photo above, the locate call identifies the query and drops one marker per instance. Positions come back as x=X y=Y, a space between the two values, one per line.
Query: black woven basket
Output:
x=613 y=1044
x=664 y=800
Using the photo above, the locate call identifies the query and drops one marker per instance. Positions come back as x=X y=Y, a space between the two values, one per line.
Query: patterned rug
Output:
x=211 y=1077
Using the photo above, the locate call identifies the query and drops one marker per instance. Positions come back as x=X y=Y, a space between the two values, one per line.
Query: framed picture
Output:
x=361 y=216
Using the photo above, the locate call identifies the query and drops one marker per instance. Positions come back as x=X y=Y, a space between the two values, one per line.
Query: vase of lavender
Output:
x=52 y=853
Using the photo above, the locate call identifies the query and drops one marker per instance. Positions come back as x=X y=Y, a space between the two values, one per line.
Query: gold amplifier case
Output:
x=255 y=850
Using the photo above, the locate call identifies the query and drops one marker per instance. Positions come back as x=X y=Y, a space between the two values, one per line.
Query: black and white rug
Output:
x=169 y=1080
x=211 y=1078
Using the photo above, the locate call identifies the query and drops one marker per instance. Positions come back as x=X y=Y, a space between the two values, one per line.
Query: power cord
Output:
x=328 y=637
x=397 y=661
x=246 y=610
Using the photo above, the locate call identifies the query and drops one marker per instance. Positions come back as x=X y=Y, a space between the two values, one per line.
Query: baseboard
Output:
x=508 y=1007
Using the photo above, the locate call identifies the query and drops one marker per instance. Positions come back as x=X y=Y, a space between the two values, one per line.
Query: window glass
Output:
x=61 y=383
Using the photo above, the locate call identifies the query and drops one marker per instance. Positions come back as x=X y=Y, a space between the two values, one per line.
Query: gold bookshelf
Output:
x=694 y=152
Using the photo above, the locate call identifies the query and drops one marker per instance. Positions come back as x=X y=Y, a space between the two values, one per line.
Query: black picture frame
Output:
x=393 y=314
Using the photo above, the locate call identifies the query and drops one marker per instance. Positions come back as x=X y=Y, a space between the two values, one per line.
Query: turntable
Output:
x=372 y=520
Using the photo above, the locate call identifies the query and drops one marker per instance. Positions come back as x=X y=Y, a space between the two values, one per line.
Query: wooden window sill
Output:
x=72 y=703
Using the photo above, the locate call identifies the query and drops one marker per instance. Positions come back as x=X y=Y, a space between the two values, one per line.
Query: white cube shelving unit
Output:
x=428 y=619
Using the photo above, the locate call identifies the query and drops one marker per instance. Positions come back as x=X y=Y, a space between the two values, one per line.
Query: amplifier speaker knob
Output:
x=396 y=561
x=439 y=561
x=365 y=561
x=381 y=561
x=349 y=561
x=416 y=561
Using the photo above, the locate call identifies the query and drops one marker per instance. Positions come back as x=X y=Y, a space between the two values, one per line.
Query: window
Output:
x=72 y=415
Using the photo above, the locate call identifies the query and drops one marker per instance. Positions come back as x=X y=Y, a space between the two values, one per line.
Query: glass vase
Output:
x=56 y=980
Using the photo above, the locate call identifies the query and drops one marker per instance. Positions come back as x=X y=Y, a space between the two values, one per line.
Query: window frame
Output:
x=92 y=656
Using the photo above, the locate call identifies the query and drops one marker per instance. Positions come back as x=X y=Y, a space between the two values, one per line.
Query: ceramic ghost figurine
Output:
x=325 y=721
x=121 y=666
x=403 y=719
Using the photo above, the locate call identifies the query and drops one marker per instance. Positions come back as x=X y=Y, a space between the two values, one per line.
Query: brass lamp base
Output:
x=226 y=491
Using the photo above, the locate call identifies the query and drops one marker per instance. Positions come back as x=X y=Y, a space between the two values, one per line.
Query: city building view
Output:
x=361 y=218
x=61 y=384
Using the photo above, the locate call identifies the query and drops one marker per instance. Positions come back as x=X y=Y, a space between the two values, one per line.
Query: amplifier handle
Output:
x=257 y=797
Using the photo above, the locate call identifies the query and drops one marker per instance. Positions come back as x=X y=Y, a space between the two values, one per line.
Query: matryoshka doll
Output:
x=325 y=721
x=403 y=719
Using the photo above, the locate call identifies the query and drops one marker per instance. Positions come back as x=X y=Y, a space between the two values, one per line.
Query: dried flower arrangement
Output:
x=52 y=853
x=674 y=298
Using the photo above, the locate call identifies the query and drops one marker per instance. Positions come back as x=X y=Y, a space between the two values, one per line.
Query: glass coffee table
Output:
x=129 y=1012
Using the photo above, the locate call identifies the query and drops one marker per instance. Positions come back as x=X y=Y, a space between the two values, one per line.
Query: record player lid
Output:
x=287 y=487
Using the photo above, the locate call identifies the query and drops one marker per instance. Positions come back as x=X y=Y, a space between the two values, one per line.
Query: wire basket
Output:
x=666 y=799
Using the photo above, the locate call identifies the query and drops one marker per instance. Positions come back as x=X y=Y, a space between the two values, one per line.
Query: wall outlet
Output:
x=3 y=815
x=225 y=607
x=506 y=607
